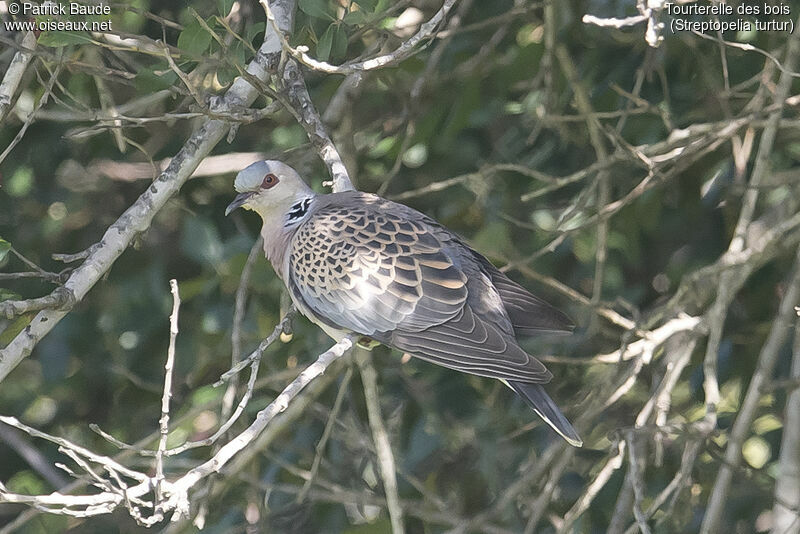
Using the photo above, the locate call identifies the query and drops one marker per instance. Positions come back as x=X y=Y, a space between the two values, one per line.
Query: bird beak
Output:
x=238 y=202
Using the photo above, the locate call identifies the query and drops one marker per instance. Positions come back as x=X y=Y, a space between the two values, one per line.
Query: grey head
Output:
x=269 y=188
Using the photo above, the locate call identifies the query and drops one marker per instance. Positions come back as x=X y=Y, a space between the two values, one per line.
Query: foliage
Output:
x=477 y=130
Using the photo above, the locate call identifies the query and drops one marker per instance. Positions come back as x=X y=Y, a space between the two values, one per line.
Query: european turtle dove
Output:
x=357 y=263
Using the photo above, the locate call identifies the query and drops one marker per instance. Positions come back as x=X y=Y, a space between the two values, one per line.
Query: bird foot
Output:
x=367 y=343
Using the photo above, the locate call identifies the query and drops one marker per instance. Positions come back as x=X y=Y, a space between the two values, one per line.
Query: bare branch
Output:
x=326 y=434
x=382 y=445
x=13 y=76
x=35 y=458
x=66 y=444
x=681 y=479
x=612 y=22
x=649 y=11
x=635 y=464
x=138 y=217
x=178 y=490
x=729 y=285
x=786 y=510
x=176 y=493
x=600 y=480
x=404 y=51
x=29 y=120
x=163 y=422
x=293 y=87
x=781 y=327
x=59 y=299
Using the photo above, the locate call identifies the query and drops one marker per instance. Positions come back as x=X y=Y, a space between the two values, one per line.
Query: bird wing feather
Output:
x=529 y=314
x=370 y=266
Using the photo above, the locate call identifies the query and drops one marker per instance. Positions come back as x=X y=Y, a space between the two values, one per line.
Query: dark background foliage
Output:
x=491 y=102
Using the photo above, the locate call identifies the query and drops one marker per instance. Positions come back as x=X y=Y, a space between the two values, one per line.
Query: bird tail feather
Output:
x=538 y=399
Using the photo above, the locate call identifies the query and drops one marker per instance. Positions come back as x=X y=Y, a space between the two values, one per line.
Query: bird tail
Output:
x=538 y=399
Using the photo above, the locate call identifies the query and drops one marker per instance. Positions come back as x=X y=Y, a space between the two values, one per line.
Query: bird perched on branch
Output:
x=357 y=263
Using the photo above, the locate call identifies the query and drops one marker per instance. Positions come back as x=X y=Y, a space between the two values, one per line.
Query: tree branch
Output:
x=767 y=359
x=382 y=445
x=137 y=218
x=404 y=51
x=13 y=76
x=786 y=511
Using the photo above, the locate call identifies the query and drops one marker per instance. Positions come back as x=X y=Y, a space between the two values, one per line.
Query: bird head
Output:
x=266 y=187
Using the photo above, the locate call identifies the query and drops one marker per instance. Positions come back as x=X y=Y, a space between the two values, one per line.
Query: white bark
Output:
x=786 y=512
x=14 y=73
x=137 y=218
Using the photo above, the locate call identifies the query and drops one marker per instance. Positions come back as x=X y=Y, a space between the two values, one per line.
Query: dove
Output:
x=356 y=263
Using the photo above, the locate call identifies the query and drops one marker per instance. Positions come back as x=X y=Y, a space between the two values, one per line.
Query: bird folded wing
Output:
x=385 y=274
x=469 y=344
x=370 y=271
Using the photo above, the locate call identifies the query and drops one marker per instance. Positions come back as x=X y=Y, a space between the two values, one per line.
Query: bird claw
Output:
x=367 y=343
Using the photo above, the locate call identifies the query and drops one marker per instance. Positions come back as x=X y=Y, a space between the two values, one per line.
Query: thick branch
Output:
x=293 y=87
x=16 y=70
x=139 y=216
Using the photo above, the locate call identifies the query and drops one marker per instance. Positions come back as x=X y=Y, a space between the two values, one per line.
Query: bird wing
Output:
x=529 y=314
x=368 y=265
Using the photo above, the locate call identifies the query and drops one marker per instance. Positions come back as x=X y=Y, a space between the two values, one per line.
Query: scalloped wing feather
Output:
x=370 y=266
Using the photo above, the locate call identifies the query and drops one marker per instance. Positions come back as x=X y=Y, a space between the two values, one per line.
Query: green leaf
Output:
x=58 y=39
x=355 y=18
x=7 y=294
x=382 y=5
x=368 y=5
x=316 y=8
x=206 y=395
x=194 y=39
x=5 y=246
x=383 y=147
x=16 y=326
x=147 y=81
x=236 y=56
x=380 y=526
x=224 y=7
x=21 y=182
x=226 y=75
x=326 y=43
x=253 y=30
x=339 y=48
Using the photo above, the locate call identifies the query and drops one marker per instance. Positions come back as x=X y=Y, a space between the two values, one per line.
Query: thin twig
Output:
x=236 y=330
x=179 y=489
x=786 y=510
x=326 y=434
x=600 y=480
x=48 y=91
x=163 y=422
x=382 y=444
x=767 y=359
x=292 y=86
x=637 y=479
x=185 y=79
x=408 y=48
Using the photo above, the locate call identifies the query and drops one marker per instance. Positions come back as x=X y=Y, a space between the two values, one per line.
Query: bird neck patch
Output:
x=298 y=211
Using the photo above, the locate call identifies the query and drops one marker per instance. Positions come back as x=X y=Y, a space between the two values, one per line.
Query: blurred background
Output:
x=607 y=176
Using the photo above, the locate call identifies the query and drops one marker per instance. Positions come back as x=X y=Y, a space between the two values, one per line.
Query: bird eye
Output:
x=270 y=180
